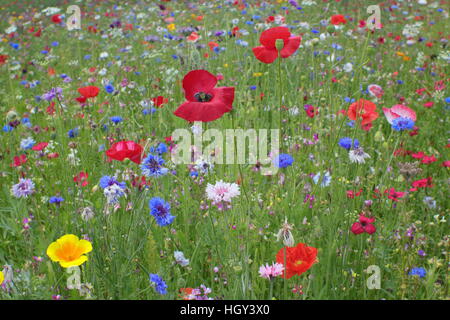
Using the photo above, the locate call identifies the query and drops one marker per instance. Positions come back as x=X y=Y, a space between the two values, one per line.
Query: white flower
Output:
x=11 y=29
x=113 y=193
x=348 y=67
x=358 y=155
x=104 y=55
x=203 y=165
x=222 y=191
x=180 y=259
x=51 y=11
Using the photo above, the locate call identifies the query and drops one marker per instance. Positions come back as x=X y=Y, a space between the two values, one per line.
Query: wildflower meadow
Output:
x=224 y=150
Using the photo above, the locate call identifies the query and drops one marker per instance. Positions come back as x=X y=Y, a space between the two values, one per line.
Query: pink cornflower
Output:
x=222 y=191
x=270 y=272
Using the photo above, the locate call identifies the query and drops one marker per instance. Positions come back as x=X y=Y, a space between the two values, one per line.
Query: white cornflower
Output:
x=113 y=193
x=180 y=259
x=358 y=155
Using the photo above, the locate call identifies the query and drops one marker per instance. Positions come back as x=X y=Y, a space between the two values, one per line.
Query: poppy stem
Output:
x=280 y=94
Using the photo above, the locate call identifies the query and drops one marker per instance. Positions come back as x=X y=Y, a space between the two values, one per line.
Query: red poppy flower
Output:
x=56 y=18
x=394 y=195
x=81 y=179
x=298 y=259
x=204 y=102
x=40 y=146
x=338 y=19
x=19 y=160
x=81 y=99
x=422 y=183
x=159 y=101
x=125 y=149
x=89 y=91
x=268 y=52
x=363 y=109
x=364 y=225
x=3 y=58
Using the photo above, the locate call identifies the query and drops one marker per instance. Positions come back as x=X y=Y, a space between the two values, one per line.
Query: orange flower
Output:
x=298 y=259
x=69 y=251
x=363 y=109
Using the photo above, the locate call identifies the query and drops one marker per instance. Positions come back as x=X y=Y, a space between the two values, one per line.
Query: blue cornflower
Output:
x=160 y=285
x=400 y=124
x=283 y=160
x=15 y=46
x=27 y=143
x=421 y=272
x=72 y=133
x=160 y=149
x=56 y=200
x=116 y=119
x=109 y=88
x=152 y=166
x=107 y=181
x=7 y=128
x=161 y=211
x=447 y=100
x=148 y=111
x=347 y=143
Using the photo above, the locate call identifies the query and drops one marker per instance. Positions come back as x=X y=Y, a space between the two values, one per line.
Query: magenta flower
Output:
x=364 y=225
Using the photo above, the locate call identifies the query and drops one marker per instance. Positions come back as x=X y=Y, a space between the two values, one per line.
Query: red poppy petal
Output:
x=290 y=46
x=265 y=55
x=369 y=117
x=224 y=95
x=269 y=36
x=202 y=111
x=89 y=91
x=370 y=228
x=198 y=81
x=357 y=228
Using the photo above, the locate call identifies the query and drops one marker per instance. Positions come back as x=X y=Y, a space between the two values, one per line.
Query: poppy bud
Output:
x=379 y=136
x=330 y=29
x=279 y=44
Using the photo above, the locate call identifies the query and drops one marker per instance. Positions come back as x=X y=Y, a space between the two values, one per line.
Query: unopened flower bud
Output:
x=279 y=44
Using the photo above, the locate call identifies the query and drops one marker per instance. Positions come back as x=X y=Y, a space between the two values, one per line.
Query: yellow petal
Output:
x=73 y=263
x=51 y=251
x=85 y=245
x=2 y=277
x=68 y=238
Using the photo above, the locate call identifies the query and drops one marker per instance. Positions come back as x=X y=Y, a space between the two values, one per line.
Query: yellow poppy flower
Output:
x=2 y=277
x=69 y=251
x=171 y=27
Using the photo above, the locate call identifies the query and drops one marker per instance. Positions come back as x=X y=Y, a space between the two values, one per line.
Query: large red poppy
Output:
x=268 y=52
x=204 y=102
x=364 y=109
x=298 y=259
x=89 y=91
x=338 y=19
x=125 y=149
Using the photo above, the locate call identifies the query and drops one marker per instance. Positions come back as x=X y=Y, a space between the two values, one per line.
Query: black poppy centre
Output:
x=203 y=97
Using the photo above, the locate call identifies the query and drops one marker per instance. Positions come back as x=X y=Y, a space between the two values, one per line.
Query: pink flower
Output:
x=269 y=272
x=375 y=90
x=398 y=111
x=364 y=225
